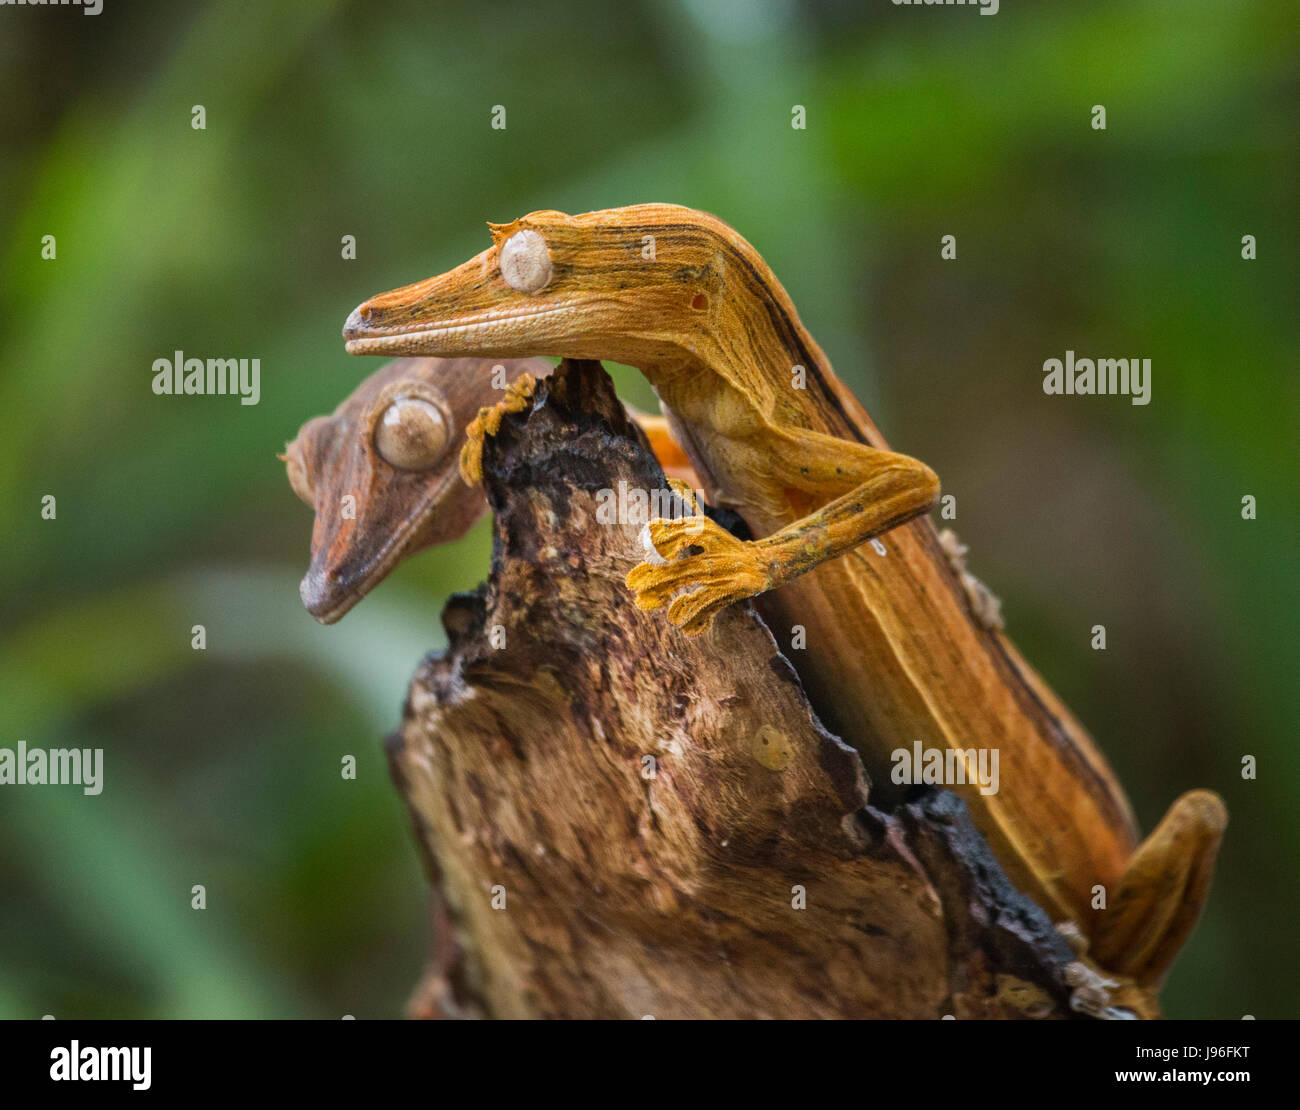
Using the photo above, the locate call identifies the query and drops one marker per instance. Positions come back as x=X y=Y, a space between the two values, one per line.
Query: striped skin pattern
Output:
x=895 y=653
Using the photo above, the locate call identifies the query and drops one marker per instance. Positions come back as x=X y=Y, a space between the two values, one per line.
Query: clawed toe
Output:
x=488 y=422
x=722 y=572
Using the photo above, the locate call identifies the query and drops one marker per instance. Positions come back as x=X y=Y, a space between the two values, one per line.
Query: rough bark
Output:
x=622 y=821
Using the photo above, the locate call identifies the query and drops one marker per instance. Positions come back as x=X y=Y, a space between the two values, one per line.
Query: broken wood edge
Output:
x=922 y=877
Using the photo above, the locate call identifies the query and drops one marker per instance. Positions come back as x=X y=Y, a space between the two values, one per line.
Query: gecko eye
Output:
x=412 y=434
x=526 y=262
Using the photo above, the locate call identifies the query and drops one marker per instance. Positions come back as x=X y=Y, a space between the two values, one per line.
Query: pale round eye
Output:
x=526 y=262
x=412 y=434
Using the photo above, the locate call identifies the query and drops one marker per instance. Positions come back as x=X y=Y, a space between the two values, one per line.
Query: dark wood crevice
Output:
x=672 y=895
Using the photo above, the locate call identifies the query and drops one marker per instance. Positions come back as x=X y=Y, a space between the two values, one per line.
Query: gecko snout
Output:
x=316 y=595
x=325 y=595
x=360 y=318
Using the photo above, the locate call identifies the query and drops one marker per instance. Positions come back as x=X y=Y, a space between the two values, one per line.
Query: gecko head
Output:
x=382 y=473
x=622 y=284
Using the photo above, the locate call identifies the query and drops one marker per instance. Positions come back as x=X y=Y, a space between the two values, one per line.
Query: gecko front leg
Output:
x=870 y=491
x=488 y=422
x=676 y=464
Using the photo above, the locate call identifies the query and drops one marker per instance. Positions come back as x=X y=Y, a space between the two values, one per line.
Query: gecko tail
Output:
x=1159 y=898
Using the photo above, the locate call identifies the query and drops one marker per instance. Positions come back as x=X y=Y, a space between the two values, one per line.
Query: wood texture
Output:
x=672 y=895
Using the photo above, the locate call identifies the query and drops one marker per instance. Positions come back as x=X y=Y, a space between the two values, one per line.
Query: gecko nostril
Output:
x=359 y=319
x=699 y=302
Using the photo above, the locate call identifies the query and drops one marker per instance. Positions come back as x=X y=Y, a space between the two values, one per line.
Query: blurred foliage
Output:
x=329 y=117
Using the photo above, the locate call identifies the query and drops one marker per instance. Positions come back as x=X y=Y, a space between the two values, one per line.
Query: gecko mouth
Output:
x=328 y=598
x=364 y=338
x=324 y=615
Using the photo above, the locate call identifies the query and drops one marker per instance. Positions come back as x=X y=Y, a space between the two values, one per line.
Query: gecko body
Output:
x=895 y=652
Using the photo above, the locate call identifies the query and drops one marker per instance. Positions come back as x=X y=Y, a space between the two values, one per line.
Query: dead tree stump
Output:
x=619 y=820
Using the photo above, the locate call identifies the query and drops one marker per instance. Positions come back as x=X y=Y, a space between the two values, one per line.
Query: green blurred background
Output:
x=327 y=119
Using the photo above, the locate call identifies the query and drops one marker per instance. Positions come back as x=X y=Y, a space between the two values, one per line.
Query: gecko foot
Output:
x=1073 y=936
x=488 y=422
x=1096 y=994
x=683 y=490
x=1091 y=994
x=724 y=571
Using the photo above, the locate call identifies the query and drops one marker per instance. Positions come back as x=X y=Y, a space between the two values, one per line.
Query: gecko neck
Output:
x=757 y=343
x=754 y=371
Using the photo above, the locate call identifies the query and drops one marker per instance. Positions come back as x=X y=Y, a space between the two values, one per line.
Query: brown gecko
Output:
x=895 y=652
x=382 y=475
